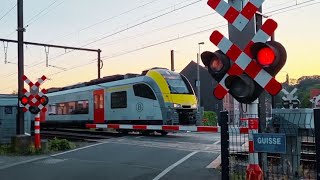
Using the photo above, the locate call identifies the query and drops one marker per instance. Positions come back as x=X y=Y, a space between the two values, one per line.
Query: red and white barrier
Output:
x=212 y=129
x=37 y=139
x=254 y=171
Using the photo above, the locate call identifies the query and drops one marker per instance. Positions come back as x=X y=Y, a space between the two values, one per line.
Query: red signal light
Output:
x=24 y=100
x=44 y=100
x=266 y=56
x=216 y=65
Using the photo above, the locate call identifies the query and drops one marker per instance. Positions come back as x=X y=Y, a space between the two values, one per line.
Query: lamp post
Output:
x=198 y=79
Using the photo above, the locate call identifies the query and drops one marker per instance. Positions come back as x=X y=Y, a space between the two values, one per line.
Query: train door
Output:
x=98 y=97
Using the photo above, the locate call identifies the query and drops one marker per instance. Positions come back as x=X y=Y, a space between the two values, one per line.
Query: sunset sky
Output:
x=93 y=25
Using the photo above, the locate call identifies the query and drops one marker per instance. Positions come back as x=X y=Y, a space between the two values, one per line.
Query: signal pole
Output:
x=172 y=60
x=20 y=41
x=198 y=81
x=20 y=29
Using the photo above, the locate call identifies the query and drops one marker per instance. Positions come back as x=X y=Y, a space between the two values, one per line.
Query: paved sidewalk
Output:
x=8 y=161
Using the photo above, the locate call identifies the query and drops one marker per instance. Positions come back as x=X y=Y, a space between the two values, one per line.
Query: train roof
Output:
x=8 y=96
x=106 y=79
x=8 y=100
x=99 y=86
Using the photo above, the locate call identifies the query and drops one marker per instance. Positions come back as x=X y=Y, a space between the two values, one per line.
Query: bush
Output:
x=60 y=144
x=5 y=149
x=209 y=118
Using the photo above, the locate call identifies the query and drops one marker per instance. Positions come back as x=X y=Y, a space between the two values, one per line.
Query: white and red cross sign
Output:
x=242 y=59
x=34 y=99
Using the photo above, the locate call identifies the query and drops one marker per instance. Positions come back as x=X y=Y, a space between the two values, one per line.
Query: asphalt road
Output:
x=176 y=156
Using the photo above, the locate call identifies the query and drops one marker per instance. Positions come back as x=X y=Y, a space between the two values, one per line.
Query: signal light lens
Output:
x=24 y=100
x=266 y=56
x=216 y=65
x=44 y=100
x=240 y=86
x=34 y=109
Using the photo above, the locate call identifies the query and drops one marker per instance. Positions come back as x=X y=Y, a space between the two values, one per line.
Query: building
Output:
x=314 y=93
x=207 y=99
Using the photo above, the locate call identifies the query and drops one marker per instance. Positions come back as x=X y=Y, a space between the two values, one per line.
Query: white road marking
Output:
x=73 y=150
x=45 y=157
x=168 y=169
x=215 y=163
x=217 y=142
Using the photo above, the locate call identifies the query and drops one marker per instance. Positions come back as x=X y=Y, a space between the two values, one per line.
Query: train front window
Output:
x=177 y=86
x=177 y=83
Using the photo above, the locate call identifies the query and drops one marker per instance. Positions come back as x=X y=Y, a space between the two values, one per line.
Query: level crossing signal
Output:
x=34 y=102
x=244 y=73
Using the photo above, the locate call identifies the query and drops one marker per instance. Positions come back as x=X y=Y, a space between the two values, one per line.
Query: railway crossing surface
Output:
x=175 y=156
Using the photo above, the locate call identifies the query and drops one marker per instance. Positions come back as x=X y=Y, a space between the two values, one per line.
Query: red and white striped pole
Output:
x=254 y=171
x=37 y=139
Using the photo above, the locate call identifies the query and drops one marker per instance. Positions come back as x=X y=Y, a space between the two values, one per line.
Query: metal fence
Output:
x=298 y=161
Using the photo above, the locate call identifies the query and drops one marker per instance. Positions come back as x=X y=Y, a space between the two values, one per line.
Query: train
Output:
x=157 y=96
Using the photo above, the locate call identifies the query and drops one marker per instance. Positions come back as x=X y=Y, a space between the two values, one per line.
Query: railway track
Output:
x=85 y=134
x=78 y=134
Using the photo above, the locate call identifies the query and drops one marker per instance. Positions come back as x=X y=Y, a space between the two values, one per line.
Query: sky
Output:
x=120 y=28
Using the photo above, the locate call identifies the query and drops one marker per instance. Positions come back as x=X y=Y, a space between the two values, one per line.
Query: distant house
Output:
x=208 y=101
x=314 y=92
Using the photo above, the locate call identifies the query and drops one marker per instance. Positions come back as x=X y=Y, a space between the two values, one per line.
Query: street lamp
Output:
x=198 y=78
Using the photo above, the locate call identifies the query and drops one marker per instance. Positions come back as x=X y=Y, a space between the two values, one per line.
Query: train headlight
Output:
x=177 y=105
x=194 y=106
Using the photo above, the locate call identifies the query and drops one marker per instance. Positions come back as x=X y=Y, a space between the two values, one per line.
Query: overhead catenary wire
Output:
x=7 y=13
x=156 y=17
x=40 y=15
x=143 y=22
x=108 y=19
x=36 y=17
x=175 y=9
x=163 y=42
x=289 y=8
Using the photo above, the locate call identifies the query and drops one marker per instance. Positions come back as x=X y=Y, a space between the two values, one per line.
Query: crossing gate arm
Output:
x=208 y=129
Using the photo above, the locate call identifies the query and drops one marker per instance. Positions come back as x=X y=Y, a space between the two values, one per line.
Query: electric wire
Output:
x=176 y=9
x=283 y=10
x=39 y=15
x=141 y=23
x=5 y=14
x=170 y=40
x=107 y=19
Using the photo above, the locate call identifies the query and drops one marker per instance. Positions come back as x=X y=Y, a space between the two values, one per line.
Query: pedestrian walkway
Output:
x=9 y=161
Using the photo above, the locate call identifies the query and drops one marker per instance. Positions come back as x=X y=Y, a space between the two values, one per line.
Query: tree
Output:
x=14 y=92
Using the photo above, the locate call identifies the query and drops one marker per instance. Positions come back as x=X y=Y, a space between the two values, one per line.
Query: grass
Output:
x=54 y=145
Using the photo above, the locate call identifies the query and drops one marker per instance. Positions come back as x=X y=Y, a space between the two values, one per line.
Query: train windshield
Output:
x=177 y=83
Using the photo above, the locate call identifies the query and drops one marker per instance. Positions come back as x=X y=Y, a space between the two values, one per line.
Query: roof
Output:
x=193 y=64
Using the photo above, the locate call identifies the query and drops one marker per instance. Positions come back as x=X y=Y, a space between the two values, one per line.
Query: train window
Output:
x=119 y=100
x=143 y=90
x=66 y=108
x=101 y=101
x=8 y=110
x=96 y=101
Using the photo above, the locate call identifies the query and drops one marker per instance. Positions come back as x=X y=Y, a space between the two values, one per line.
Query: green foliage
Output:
x=54 y=145
x=5 y=149
x=60 y=144
x=210 y=118
x=238 y=176
x=304 y=84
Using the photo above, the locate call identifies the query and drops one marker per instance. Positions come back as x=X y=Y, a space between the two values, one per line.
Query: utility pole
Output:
x=273 y=100
x=172 y=60
x=20 y=29
x=99 y=63
x=20 y=32
x=198 y=81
